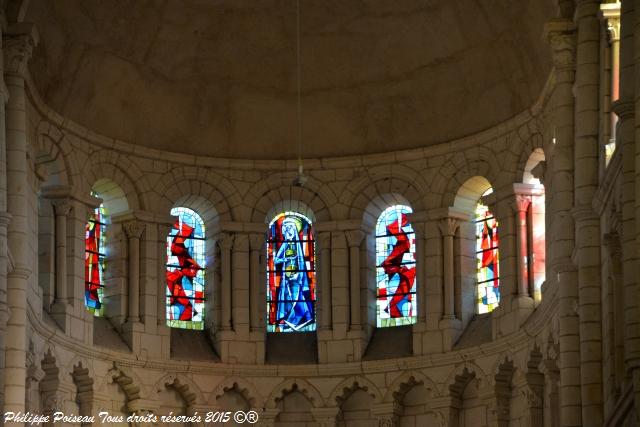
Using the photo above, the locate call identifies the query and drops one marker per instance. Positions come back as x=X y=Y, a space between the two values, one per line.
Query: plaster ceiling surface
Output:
x=218 y=77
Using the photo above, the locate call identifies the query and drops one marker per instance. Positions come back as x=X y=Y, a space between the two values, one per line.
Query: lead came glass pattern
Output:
x=94 y=261
x=487 y=242
x=396 y=268
x=291 y=276
x=185 y=271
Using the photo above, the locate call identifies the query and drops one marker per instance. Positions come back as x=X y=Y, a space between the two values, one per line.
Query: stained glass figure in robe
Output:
x=396 y=268
x=94 y=260
x=291 y=281
x=185 y=271
x=487 y=257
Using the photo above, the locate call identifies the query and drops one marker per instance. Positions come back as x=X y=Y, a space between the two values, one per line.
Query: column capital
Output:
x=225 y=240
x=448 y=226
x=610 y=14
x=256 y=241
x=133 y=229
x=354 y=237
x=324 y=239
x=61 y=207
x=560 y=34
x=241 y=242
x=18 y=44
x=521 y=202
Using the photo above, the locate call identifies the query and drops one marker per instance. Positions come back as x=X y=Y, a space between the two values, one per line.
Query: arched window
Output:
x=291 y=274
x=186 y=264
x=94 y=260
x=487 y=256
x=395 y=268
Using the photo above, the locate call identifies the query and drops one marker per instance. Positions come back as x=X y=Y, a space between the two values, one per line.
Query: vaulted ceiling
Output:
x=217 y=77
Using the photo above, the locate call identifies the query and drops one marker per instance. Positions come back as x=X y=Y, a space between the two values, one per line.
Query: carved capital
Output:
x=61 y=207
x=133 y=229
x=610 y=13
x=256 y=241
x=241 y=243
x=225 y=240
x=354 y=237
x=560 y=34
x=324 y=240
x=18 y=49
x=521 y=203
x=448 y=226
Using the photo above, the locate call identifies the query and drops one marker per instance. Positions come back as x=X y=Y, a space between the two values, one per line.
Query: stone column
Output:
x=162 y=242
x=448 y=228
x=610 y=12
x=133 y=230
x=240 y=284
x=256 y=305
x=339 y=284
x=354 y=239
x=225 y=240
x=17 y=49
x=421 y=288
x=521 y=206
x=560 y=227
x=324 y=276
x=62 y=208
x=587 y=222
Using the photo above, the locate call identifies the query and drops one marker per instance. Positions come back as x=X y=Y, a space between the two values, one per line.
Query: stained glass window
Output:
x=487 y=256
x=94 y=260
x=396 y=268
x=185 y=271
x=291 y=276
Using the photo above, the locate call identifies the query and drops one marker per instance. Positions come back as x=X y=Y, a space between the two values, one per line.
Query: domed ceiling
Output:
x=218 y=77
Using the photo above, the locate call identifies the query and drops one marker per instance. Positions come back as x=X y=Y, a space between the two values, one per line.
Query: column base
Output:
x=61 y=313
x=132 y=332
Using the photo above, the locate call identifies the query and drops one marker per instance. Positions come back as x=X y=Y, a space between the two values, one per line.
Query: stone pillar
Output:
x=240 y=284
x=354 y=239
x=325 y=417
x=560 y=34
x=610 y=12
x=339 y=284
x=324 y=241
x=587 y=222
x=17 y=49
x=521 y=206
x=421 y=286
x=448 y=228
x=256 y=305
x=59 y=309
x=133 y=230
x=225 y=240
x=387 y=414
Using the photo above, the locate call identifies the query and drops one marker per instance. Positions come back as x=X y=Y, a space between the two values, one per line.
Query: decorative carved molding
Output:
x=61 y=207
x=133 y=229
x=354 y=237
x=241 y=243
x=18 y=49
x=225 y=240
x=448 y=226
x=610 y=13
x=560 y=34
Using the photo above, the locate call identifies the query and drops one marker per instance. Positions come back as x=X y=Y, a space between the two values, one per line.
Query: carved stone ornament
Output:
x=225 y=240
x=17 y=50
x=449 y=226
x=133 y=229
x=562 y=41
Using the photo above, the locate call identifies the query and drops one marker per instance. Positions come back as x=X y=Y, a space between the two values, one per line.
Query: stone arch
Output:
x=403 y=383
x=293 y=196
x=294 y=384
x=370 y=192
x=113 y=196
x=349 y=385
x=460 y=375
x=53 y=164
x=196 y=186
x=119 y=169
x=128 y=383
x=246 y=389
x=291 y=206
x=377 y=205
x=449 y=186
x=187 y=389
x=469 y=193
